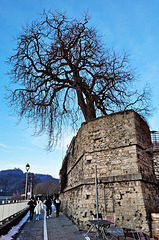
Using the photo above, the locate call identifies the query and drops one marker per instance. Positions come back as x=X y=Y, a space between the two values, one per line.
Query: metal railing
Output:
x=155 y=138
x=6 y=201
x=10 y=210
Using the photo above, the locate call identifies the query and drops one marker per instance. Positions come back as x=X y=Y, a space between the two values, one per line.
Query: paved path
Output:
x=52 y=228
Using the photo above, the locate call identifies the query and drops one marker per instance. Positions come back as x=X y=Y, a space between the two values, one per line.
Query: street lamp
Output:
x=27 y=169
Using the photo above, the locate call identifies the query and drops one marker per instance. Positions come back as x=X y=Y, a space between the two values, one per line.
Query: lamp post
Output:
x=31 y=186
x=27 y=169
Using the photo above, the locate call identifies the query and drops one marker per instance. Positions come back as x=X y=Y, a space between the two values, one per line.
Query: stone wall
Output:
x=118 y=144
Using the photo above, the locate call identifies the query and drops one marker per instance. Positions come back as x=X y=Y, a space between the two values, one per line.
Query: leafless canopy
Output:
x=61 y=70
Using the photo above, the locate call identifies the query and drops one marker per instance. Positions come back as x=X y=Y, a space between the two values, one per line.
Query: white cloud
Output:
x=23 y=148
x=3 y=145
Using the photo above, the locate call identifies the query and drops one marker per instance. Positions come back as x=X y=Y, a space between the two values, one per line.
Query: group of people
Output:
x=36 y=206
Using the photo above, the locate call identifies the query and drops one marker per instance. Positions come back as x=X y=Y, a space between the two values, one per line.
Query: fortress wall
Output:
x=119 y=145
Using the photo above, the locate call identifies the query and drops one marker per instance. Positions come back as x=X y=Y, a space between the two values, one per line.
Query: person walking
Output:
x=31 y=204
x=48 y=204
x=39 y=206
x=57 y=203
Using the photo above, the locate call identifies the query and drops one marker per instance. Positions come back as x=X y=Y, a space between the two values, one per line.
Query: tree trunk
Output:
x=87 y=108
x=91 y=112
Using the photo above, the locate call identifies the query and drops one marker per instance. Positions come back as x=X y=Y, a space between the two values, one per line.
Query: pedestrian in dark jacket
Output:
x=32 y=205
x=48 y=204
x=57 y=203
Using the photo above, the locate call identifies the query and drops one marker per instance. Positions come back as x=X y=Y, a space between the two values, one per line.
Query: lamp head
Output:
x=27 y=167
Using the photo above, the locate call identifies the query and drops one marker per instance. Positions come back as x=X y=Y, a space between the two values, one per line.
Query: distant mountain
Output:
x=13 y=181
x=44 y=178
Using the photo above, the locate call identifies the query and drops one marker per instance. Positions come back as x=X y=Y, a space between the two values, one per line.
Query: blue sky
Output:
x=125 y=24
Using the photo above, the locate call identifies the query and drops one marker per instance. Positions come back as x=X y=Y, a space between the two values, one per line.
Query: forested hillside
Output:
x=13 y=181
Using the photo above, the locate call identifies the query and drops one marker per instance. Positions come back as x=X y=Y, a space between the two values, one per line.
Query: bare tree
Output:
x=50 y=187
x=33 y=180
x=61 y=70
